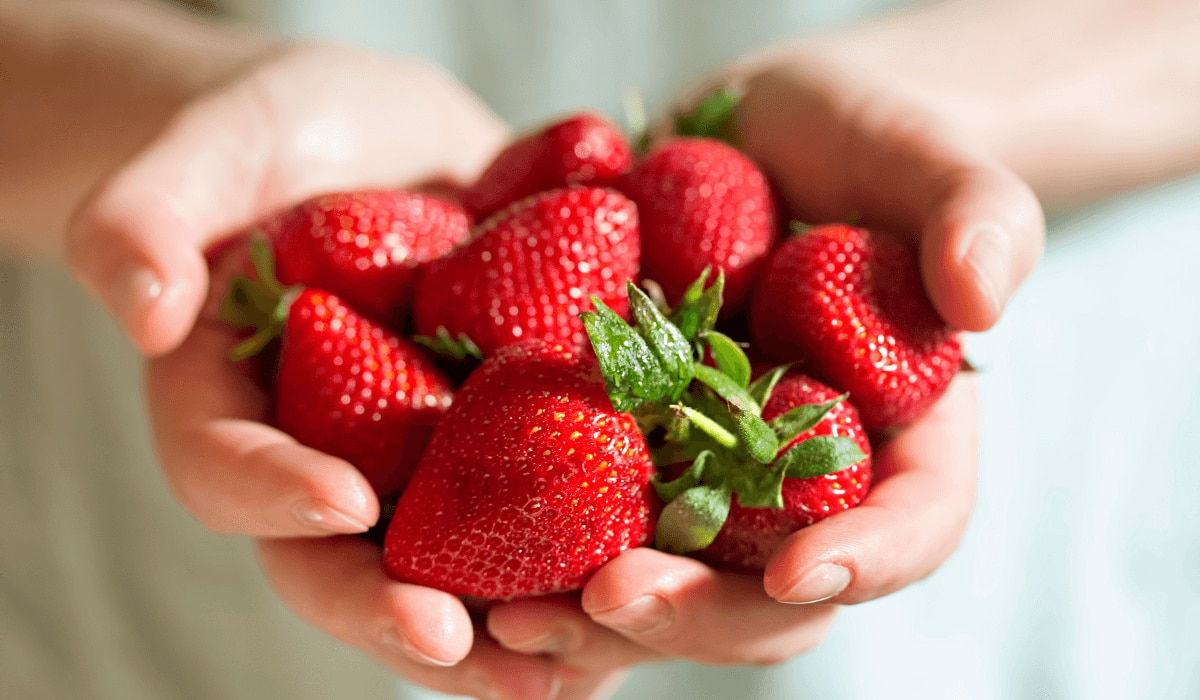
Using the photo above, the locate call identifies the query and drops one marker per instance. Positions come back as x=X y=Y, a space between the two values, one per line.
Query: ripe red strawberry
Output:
x=344 y=384
x=529 y=271
x=751 y=535
x=747 y=459
x=584 y=149
x=851 y=305
x=367 y=246
x=702 y=203
x=531 y=482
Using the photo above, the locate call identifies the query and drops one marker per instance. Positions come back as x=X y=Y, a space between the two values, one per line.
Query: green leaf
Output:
x=802 y=418
x=820 y=455
x=263 y=258
x=758 y=485
x=757 y=437
x=443 y=343
x=254 y=344
x=697 y=311
x=730 y=358
x=692 y=521
x=633 y=374
x=241 y=306
x=762 y=387
x=712 y=117
x=673 y=351
x=727 y=388
x=670 y=490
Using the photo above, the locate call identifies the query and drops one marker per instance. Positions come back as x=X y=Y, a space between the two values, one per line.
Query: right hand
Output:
x=298 y=122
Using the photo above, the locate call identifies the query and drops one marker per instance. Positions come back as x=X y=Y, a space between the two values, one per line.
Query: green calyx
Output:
x=710 y=417
x=443 y=343
x=711 y=117
x=261 y=303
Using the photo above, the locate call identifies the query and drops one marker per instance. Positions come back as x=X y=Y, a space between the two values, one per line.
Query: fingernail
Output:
x=821 y=583
x=135 y=289
x=643 y=615
x=321 y=516
x=989 y=256
x=394 y=639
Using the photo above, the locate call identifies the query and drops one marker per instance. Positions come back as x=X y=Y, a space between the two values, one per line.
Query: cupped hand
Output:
x=149 y=244
x=838 y=146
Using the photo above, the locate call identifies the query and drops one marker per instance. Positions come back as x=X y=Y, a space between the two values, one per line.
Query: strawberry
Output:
x=750 y=535
x=701 y=203
x=344 y=384
x=531 y=482
x=751 y=461
x=366 y=246
x=529 y=270
x=584 y=149
x=850 y=304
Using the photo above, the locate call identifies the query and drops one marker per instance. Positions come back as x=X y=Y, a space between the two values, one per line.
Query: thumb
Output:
x=835 y=145
x=982 y=235
x=137 y=243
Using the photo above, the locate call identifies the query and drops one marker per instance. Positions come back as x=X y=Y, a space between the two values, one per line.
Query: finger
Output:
x=279 y=135
x=981 y=238
x=556 y=626
x=910 y=522
x=137 y=242
x=339 y=585
x=229 y=469
x=837 y=147
x=680 y=607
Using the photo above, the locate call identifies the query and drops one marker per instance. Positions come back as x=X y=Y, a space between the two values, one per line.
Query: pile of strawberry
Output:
x=594 y=417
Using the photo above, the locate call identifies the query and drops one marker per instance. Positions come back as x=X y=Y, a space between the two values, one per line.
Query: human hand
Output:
x=299 y=122
x=837 y=146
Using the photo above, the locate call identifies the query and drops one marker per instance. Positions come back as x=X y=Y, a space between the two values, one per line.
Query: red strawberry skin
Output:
x=701 y=203
x=529 y=271
x=751 y=535
x=352 y=389
x=367 y=246
x=531 y=482
x=850 y=304
x=583 y=149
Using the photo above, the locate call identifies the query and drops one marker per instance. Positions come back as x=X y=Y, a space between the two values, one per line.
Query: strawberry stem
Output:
x=711 y=428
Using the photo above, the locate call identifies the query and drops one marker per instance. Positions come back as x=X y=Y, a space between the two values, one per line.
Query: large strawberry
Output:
x=366 y=246
x=702 y=203
x=529 y=271
x=531 y=482
x=344 y=384
x=850 y=304
x=584 y=149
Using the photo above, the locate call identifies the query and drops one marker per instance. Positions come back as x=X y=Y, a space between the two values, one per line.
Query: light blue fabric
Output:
x=1080 y=574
